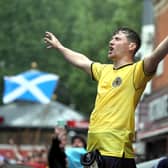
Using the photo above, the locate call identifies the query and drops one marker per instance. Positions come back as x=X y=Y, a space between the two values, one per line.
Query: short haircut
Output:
x=81 y=138
x=132 y=36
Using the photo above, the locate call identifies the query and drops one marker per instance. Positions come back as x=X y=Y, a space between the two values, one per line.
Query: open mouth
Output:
x=110 y=49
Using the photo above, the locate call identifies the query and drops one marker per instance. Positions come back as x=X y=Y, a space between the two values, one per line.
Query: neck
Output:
x=118 y=64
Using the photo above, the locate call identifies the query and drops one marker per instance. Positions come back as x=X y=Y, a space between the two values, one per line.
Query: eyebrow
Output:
x=115 y=37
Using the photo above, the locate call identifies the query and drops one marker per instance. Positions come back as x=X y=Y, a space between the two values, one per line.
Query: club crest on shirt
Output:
x=117 y=82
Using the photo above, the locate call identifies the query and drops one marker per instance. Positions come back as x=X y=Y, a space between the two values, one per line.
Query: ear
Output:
x=132 y=46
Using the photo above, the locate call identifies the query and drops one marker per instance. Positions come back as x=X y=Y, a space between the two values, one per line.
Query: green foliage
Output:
x=82 y=25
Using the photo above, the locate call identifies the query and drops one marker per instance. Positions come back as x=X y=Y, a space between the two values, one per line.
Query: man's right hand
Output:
x=52 y=41
x=75 y=58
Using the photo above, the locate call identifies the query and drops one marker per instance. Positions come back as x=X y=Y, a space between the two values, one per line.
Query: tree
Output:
x=82 y=25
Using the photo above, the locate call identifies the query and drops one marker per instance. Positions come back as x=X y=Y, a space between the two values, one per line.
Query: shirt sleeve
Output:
x=96 y=69
x=140 y=78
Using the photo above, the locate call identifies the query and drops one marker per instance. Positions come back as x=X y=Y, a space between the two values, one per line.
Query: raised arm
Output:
x=151 y=62
x=77 y=59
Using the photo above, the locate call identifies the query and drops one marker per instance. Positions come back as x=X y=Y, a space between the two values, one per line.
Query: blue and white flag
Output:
x=33 y=85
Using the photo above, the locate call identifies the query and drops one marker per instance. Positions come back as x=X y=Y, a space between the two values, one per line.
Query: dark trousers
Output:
x=115 y=162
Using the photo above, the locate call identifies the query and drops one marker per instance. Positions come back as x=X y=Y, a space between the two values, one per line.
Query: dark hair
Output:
x=81 y=138
x=131 y=35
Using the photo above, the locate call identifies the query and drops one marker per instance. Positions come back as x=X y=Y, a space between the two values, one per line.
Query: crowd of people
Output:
x=63 y=152
x=14 y=154
x=61 y=155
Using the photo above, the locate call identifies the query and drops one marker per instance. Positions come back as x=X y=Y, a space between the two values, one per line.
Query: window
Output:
x=158 y=108
x=160 y=68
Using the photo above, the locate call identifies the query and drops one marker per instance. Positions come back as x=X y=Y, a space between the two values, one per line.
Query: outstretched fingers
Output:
x=48 y=39
x=52 y=40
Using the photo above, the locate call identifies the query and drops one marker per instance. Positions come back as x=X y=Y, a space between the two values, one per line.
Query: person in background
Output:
x=56 y=154
x=18 y=158
x=75 y=151
x=78 y=141
x=163 y=163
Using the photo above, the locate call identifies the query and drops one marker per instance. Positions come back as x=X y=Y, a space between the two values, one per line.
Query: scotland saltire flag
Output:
x=33 y=85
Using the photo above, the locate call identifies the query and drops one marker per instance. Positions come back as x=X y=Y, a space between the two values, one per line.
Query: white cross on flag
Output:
x=33 y=85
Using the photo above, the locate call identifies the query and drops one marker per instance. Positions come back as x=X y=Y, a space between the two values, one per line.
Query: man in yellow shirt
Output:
x=120 y=86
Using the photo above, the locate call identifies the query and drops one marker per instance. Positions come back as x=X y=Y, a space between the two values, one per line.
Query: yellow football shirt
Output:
x=111 y=128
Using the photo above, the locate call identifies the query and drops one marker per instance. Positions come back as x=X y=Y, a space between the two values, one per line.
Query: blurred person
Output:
x=75 y=151
x=56 y=154
x=34 y=160
x=78 y=141
x=163 y=163
x=120 y=86
x=18 y=158
x=3 y=161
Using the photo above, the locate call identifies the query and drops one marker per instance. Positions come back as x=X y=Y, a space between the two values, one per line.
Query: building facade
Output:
x=152 y=130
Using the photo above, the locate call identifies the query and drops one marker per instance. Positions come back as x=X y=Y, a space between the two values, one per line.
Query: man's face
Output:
x=118 y=46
